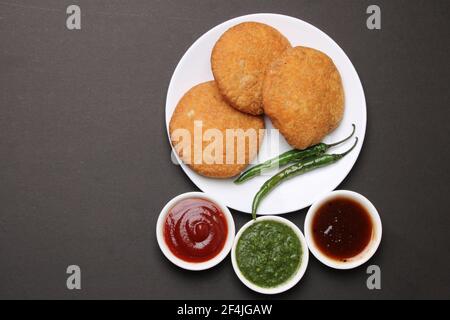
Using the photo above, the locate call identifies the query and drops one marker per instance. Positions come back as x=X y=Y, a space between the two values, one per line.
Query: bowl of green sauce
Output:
x=270 y=254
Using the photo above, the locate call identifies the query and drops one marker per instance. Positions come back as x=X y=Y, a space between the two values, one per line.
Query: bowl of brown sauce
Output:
x=343 y=229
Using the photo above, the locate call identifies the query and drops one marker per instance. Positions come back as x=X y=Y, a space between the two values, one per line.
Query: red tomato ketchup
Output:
x=195 y=230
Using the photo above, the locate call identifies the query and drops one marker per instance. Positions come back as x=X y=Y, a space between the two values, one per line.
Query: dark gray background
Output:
x=85 y=162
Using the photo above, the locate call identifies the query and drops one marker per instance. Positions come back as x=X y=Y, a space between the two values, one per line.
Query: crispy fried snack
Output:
x=212 y=137
x=239 y=62
x=303 y=96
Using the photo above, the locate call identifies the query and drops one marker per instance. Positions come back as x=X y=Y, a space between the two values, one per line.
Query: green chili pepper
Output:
x=296 y=169
x=288 y=157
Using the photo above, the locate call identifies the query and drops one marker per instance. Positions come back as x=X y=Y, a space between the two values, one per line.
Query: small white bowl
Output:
x=289 y=283
x=370 y=249
x=195 y=266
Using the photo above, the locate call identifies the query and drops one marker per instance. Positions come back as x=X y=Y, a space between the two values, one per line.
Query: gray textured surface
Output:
x=84 y=157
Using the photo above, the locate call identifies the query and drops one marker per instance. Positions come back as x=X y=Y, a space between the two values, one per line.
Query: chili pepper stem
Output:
x=349 y=150
x=342 y=141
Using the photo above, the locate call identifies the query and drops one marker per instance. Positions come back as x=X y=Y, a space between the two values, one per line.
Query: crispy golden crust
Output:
x=303 y=96
x=205 y=103
x=239 y=62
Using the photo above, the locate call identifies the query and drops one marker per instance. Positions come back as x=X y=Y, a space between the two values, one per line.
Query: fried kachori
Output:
x=209 y=135
x=303 y=96
x=239 y=62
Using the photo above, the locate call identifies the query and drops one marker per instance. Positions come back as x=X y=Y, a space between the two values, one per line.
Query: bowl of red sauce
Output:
x=195 y=231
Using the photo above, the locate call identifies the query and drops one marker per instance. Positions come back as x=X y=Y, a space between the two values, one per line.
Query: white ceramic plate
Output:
x=300 y=192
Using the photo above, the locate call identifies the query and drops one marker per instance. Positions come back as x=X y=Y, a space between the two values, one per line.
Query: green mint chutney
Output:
x=268 y=253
